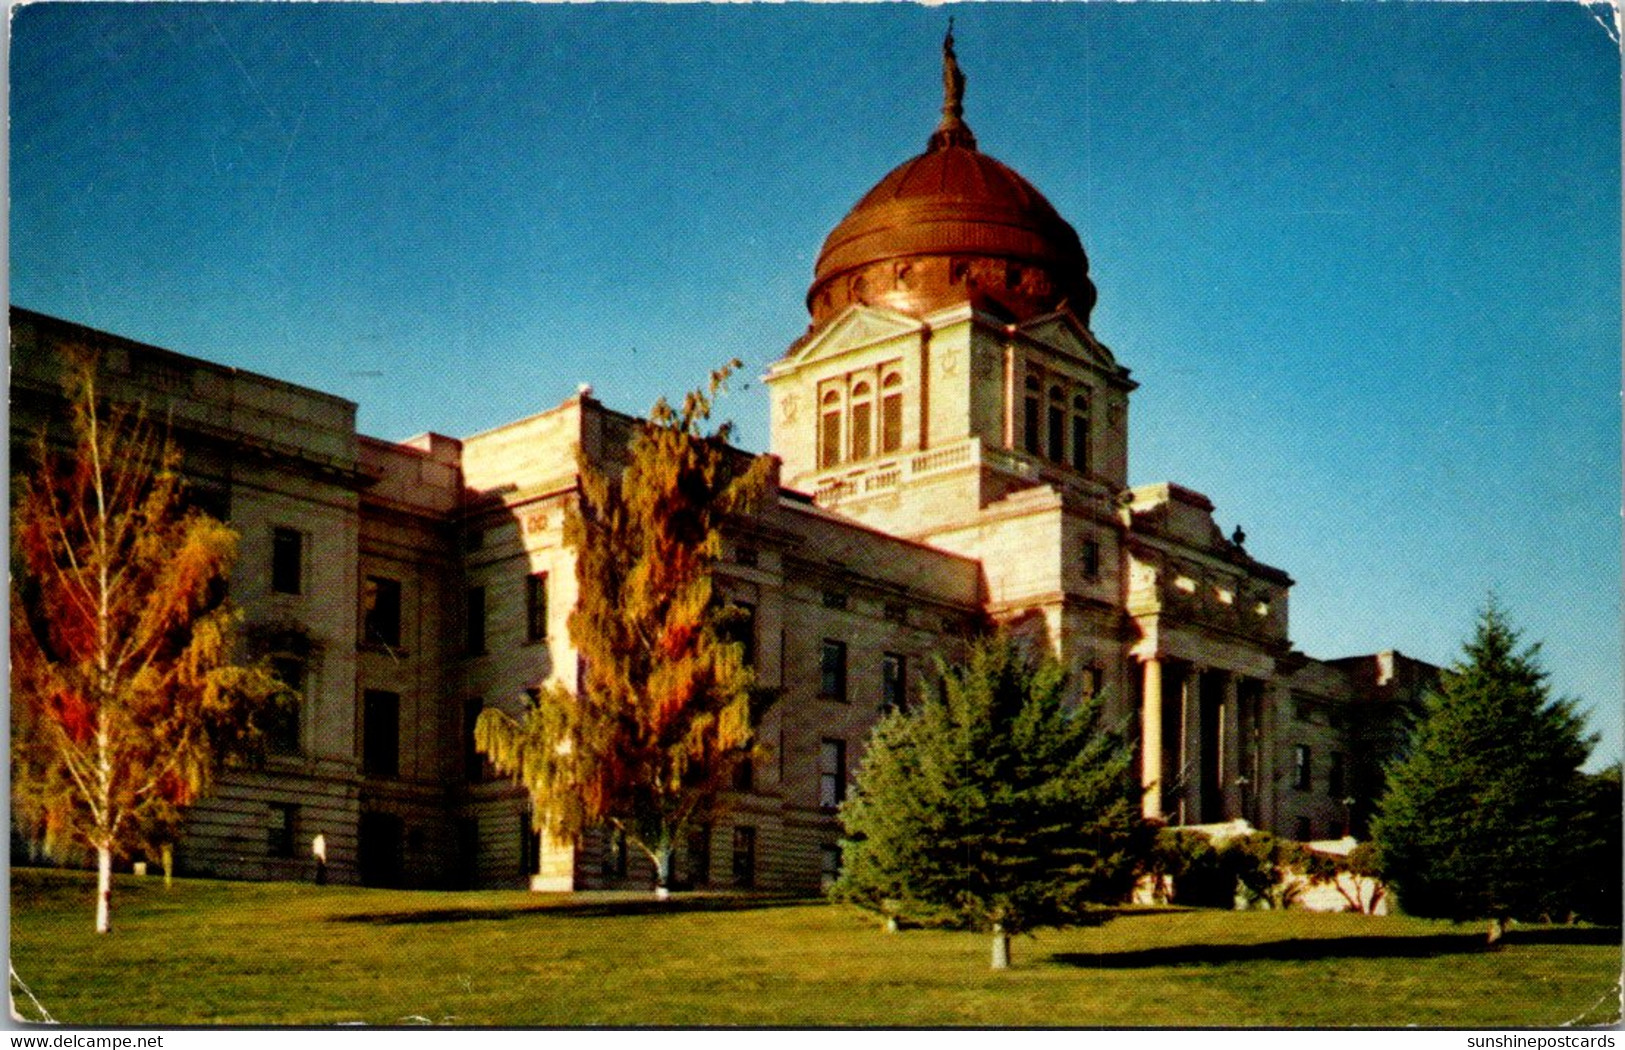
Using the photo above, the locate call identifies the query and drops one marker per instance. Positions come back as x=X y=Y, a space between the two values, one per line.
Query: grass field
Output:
x=267 y=954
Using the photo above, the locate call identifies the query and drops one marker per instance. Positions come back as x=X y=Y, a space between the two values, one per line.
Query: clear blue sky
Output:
x=1363 y=259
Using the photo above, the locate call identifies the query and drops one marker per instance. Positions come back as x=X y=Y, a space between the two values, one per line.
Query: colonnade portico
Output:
x=1194 y=750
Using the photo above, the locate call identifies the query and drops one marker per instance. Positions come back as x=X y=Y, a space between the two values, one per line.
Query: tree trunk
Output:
x=663 y=859
x=1001 y=947
x=169 y=864
x=104 y=889
x=1498 y=929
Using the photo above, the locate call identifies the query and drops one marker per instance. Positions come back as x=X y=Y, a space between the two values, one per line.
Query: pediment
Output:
x=1064 y=332
x=856 y=327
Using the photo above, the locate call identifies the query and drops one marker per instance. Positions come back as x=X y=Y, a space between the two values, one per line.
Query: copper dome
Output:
x=948 y=226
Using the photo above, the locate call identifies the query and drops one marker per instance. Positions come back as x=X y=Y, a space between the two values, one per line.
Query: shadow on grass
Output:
x=1376 y=946
x=589 y=908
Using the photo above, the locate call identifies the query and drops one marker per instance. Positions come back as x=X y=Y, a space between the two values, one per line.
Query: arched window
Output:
x=1057 y=424
x=829 y=430
x=1029 y=419
x=1080 y=433
x=891 y=413
x=862 y=420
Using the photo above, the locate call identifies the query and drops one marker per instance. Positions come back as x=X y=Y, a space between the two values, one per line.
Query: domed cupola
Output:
x=950 y=226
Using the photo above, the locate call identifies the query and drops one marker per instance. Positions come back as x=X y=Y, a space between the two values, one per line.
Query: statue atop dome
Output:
x=953 y=131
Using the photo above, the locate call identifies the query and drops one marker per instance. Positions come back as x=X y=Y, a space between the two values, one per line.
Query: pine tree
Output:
x=999 y=802
x=667 y=707
x=1477 y=820
x=126 y=691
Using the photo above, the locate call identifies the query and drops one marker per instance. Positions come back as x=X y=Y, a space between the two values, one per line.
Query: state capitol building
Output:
x=952 y=445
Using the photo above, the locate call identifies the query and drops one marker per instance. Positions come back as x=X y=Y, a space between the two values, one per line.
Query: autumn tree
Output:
x=1478 y=821
x=998 y=801
x=667 y=706
x=127 y=694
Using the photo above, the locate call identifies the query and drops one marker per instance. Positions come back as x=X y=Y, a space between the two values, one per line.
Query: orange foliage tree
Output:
x=666 y=705
x=126 y=694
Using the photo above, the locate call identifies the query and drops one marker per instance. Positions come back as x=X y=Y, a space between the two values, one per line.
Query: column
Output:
x=558 y=864
x=1190 y=746
x=1230 y=748
x=1151 y=740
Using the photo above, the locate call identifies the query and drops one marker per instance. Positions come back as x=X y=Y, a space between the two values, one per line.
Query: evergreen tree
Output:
x=998 y=802
x=1596 y=874
x=666 y=710
x=1477 y=821
x=126 y=691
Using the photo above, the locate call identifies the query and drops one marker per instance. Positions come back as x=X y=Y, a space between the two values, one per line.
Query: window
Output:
x=474 y=622
x=1029 y=419
x=1302 y=830
x=741 y=628
x=381 y=616
x=746 y=555
x=1334 y=776
x=893 y=681
x=282 y=720
x=1302 y=771
x=831 y=773
x=896 y=612
x=834 y=599
x=380 y=733
x=536 y=607
x=829 y=865
x=891 y=413
x=614 y=866
x=829 y=430
x=1091 y=560
x=744 y=775
x=1057 y=425
x=1080 y=433
x=279 y=822
x=744 y=860
x=699 y=856
x=287 y=561
x=473 y=760
x=832 y=670
x=862 y=420
x=530 y=846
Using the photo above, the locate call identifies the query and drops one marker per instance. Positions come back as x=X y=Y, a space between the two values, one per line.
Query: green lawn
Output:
x=264 y=954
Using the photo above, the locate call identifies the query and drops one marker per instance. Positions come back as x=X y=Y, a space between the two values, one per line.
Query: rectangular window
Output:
x=1029 y=426
x=381 y=616
x=829 y=438
x=744 y=775
x=745 y=555
x=1057 y=434
x=380 y=733
x=1302 y=830
x=474 y=622
x=530 y=846
x=473 y=759
x=861 y=427
x=893 y=681
x=891 y=422
x=282 y=722
x=829 y=865
x=831 y=773
x=287 y=561
x=744 y=860
x=1091 y=560
x=279 y=823
x=1334 y=776
x=699 y=856
x=1302 y=767
x=741 y=628
x=614 y=866
x=1080 y=443
x=832 y=670
x=834 y=599
x=536 y=607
